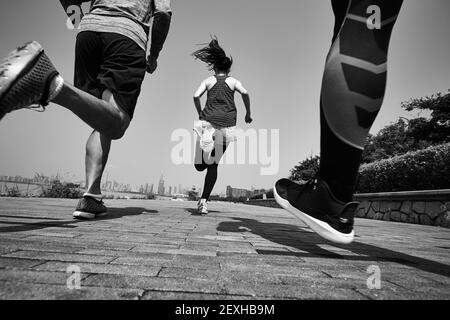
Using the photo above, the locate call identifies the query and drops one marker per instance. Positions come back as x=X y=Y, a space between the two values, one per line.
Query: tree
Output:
x=394 y=139
x=306 y=169
x=399 y=137
x=436 y=129
x=414 y=134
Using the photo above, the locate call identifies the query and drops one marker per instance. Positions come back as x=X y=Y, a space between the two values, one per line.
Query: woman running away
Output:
x=218 y=119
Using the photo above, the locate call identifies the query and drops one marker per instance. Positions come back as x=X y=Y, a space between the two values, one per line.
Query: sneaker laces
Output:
x=36 y=107
x=311 y=182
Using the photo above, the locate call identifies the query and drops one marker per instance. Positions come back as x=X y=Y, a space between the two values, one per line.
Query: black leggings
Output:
x=353 y=88
x=211 y=173
x=339 y=10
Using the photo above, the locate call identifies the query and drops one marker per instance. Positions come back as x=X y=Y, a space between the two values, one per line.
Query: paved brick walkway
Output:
x=164 y=250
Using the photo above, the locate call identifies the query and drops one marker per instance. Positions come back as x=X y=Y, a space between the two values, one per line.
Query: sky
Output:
x=279 y=49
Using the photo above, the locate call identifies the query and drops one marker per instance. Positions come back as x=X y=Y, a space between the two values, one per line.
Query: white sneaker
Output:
x=201 y=206
x=205 y=132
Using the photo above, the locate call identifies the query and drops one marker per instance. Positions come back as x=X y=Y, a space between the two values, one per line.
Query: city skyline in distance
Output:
x=111 y=185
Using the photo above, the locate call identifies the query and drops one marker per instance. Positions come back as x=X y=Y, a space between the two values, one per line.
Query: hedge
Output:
x=425 y=169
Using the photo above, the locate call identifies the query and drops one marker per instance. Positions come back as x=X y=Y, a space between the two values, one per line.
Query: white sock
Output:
x=55 y=87
x=97 y=197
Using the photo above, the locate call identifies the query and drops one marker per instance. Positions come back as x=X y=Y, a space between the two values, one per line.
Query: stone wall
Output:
x=418 y=207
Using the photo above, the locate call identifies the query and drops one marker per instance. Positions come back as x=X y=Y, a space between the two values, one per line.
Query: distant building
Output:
x=170 y=191
x=237 y=193
x=161 y=186
x=258 y=191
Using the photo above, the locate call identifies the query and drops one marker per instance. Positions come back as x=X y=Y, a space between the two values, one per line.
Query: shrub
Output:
x=59 y=190
x=14 y=192
x=418 y=170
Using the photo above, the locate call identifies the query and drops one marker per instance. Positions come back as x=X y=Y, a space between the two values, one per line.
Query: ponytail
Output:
x=214 y=56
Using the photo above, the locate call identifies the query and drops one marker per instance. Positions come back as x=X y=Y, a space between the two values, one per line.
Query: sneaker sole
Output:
x=87 y=215
x=323 y=229
x=83 y=215
x=23 y=61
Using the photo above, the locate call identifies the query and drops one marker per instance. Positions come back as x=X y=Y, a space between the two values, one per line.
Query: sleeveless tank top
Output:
x=220 y=109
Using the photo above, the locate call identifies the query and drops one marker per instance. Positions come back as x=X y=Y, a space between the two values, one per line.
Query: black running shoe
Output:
x=89 y=208
x=315 y=205
x=25 y=77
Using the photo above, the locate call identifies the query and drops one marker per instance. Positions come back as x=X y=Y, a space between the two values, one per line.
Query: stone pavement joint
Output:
x=147 y=249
